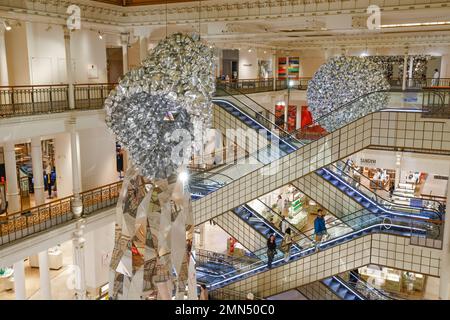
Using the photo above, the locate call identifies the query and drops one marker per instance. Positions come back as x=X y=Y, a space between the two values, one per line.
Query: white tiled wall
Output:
x=327 y=195
x=317 y=291
x=397 y=130
x=241 y=231
x=386 y=250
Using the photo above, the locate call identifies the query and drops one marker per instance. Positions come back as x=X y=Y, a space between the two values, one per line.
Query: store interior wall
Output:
x=98 y=250
x=17 y=56
x=46 y=53
x=87 y=50
x=97 y=158
x=248 y=64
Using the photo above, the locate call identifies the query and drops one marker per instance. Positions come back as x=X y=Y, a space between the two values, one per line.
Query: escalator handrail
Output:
x=367 y=285
x=256 y=112
x=308 y=250
x=291 y=226
x=255 y=102
x=348 y=287
x=394 y=205
x=317 y=121
x=376 y=223
x=383 y=189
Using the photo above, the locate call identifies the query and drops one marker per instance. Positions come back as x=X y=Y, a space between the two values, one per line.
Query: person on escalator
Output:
x=284 y=225
x=287 y=244
x=280 y=204
x=320 y=228
x=271 y=250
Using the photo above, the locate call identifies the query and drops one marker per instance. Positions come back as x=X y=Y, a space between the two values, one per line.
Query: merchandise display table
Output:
x=6 y=279
x=55 y=260
x=299 y=220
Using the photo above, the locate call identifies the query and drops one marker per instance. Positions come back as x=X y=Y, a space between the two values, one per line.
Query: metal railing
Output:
x=417 y=83
x=91 y=96
x=32 y=100
x=30 y=221
x=41 y=99
x=436 y=102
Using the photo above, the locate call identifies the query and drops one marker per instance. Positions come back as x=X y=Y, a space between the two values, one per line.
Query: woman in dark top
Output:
x=271 y=250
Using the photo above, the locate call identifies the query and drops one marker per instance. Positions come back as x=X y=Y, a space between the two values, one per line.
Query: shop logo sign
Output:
x=374 y=20
x=74 y=19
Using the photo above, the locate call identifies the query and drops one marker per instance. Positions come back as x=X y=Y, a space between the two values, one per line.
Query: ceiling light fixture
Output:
x=7 y=25
x=418 y=24
x=100 y=35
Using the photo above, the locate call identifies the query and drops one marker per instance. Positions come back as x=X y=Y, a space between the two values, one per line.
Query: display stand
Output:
x=6 y=279
x=55 y=259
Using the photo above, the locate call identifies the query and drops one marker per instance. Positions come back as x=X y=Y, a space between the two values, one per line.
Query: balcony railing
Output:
x=27 y=222
x=436 y=102
x=91 y=96
x=33 y=100
x=43 y=99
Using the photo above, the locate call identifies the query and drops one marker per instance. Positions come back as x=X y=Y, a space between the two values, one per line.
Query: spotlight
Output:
x=7 y=25
x=100 y=35
x=249 y=50
x=183 y=176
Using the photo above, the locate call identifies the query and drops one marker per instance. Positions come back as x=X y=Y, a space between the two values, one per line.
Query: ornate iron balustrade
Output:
x=436 y=102
x=18 y=225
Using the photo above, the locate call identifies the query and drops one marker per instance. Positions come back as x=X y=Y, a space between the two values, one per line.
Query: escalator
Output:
x=341 y=289
x=378 y=201
x=289 y=143
x=357 y=225
x=304 y=246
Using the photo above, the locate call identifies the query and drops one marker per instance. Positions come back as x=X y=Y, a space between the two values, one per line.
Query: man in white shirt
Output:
x=435 y=81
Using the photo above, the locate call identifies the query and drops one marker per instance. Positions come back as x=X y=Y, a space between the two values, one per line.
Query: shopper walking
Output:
x=287 y=244
x=286 y=205
x=204 y=295
x=280 y=204
x=271 y=250
x=435 y=81
x=320 y=228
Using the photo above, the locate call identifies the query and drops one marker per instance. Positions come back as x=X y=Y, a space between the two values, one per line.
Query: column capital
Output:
x=124 y=38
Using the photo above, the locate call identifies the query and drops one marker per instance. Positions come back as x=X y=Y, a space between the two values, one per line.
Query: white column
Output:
x=274 y=70
x=12 y=186
x=124 y=41
x=405 y=71
x=4 y=80
x=44 y=276
x=69 y=68
x=38 y=174
x=77 y=205
x=398 y=165
x=19 y=280
x=410 y=71
x=143 y=48
x=445 y=65
x=444 y=280
x=78 y=261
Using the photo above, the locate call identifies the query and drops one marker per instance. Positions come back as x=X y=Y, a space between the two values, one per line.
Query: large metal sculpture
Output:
x=154 y=112
x=344 y=89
